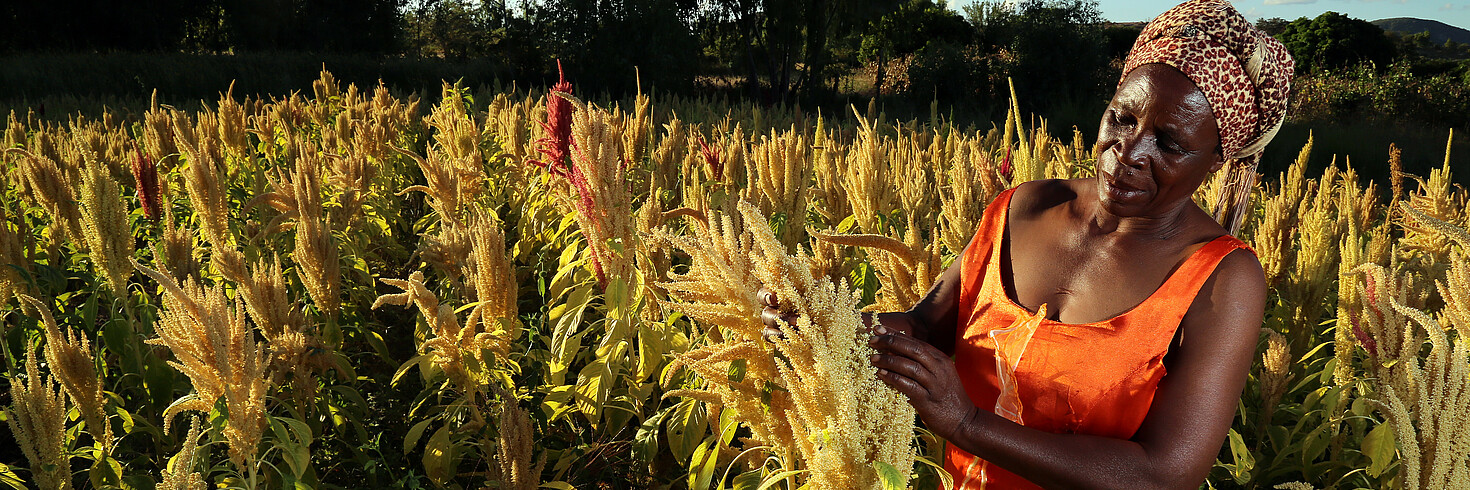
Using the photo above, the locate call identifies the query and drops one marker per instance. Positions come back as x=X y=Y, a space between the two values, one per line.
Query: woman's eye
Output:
x=1120 y=118
x=1170 y=146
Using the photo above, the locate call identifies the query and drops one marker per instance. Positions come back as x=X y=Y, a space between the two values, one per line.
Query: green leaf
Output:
x=890 y=477
x=702 y=465
x=651 y=349
x=593 y=385
x=158 y=381
x=89 y=313
x=105 y=472
x=946 y=480
x=778 y=477
x=1379 y=446
x=1315 y=444
x=645 y=442
x=376 y=341
x=728 y=425
x=439 y=456
x=557 y=402
x=566 y=336
x=558 y=485
x=1328 y=370
x=117 y=338
x=737 y=370
x=747 y=481
x=10 y=479
x=293 y=438
x=569 y=266
x=1314 y=398
x=126 y=417
x=411 y=440
x=406 y=366
x=686 y=427
x=1244 y=460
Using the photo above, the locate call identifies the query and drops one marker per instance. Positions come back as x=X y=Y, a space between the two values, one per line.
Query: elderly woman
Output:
x=1097 y=332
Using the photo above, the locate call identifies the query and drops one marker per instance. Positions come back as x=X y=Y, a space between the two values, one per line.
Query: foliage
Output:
x=915 y=24
x=455 y=29
x=622 y=41
x=1056 y=48
x=1333 y=41
x=208 y=25
x=520 y=365
x=947 y=71
x=1387 y=95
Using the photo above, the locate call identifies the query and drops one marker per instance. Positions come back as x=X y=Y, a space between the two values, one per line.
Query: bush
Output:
x=946 y=71
x=1395 y=95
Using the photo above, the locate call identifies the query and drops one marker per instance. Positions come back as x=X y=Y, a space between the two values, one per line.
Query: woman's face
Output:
x=1157 y=143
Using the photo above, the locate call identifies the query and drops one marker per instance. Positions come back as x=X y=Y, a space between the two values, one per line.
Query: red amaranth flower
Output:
x=1005 y=164
x=1363 y=338
x=1370 y=291
x=587 y=207
x=712 y=158
x=145 y=178
x=558 y=127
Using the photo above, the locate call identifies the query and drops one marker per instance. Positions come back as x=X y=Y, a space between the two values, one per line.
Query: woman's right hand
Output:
x=772 y=316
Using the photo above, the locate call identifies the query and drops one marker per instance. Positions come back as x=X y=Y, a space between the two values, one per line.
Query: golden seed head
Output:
x=37 y=418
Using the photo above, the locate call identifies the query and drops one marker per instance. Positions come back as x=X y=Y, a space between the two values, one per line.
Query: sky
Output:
x=1452 y=12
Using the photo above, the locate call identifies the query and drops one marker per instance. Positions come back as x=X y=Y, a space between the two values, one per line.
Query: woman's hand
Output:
x=772 y=316
x=927 y=376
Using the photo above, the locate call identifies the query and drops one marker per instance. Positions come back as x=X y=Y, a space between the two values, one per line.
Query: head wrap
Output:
x=1243 y=72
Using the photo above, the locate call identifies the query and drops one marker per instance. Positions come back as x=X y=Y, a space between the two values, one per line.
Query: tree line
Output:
x=1062 y=52
x=772 y=49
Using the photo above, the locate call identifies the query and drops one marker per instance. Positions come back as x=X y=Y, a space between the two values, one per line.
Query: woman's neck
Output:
x=1168 y=223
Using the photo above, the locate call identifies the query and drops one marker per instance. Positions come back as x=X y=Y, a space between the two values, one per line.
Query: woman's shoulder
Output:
x=1240 y=271
x=1234 y=295
x=1033 y=198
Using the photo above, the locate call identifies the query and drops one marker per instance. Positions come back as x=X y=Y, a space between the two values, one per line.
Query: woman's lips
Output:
x=1118 y=190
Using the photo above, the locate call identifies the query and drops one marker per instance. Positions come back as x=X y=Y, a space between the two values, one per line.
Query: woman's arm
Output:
x=1177 y=443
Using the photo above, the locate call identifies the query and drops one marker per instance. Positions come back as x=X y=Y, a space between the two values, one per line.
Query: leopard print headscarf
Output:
x=1245 y=74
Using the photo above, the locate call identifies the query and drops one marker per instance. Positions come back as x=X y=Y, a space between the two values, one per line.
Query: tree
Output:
x=914 y=25
x=98 y=25
x=1120 y=40
x=1272 y=26
x=1335 y=41
x=607 y=39
x=1056 y=49
x=789 y=46
x=201 y=25
x=910 y=27
x=454 y=29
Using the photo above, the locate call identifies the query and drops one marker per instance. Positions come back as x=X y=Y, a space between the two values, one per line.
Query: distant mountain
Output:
x=1438 y=31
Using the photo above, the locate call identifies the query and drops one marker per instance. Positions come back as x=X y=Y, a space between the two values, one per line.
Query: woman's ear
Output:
x=1219 y=161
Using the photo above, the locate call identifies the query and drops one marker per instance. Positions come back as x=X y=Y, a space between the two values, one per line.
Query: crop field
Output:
x=352 y=289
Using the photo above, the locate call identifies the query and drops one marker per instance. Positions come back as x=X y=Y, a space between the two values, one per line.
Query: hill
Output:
x=1438 y=31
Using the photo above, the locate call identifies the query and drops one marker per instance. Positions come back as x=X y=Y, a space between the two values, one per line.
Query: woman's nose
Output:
x=1132 y=151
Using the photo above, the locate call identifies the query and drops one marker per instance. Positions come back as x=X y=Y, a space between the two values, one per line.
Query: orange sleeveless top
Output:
x=1094 y=378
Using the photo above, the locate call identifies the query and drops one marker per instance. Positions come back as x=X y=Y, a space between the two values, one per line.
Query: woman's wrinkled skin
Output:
x=1092 y=249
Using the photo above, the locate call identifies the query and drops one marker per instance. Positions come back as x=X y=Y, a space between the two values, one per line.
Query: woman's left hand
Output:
x=927 y=376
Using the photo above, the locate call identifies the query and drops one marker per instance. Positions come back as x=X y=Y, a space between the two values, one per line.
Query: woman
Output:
x=1151 y=308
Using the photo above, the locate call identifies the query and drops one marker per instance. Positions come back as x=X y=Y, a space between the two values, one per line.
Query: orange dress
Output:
x=1094 y=378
